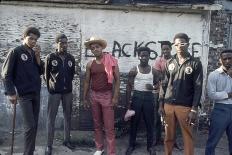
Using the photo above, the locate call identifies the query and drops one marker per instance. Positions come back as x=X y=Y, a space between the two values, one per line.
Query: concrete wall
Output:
x=123 y=30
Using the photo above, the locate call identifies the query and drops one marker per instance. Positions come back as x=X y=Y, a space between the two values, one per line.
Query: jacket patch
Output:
x=54 y=63
x=70 y=63
x=188 y=70
x=171 y=67
x=24 y=57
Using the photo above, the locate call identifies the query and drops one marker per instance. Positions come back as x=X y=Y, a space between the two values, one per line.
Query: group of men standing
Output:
x=175 y=82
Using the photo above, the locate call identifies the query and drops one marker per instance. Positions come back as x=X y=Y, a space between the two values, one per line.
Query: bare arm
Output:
x=129 y=86
x=87 y=80
x=156 y=78
x=116 y=85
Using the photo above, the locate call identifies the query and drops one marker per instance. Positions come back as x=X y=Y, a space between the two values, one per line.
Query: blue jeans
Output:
x=221 y=120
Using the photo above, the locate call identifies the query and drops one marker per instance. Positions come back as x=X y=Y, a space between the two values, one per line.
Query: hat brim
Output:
x=100 y=41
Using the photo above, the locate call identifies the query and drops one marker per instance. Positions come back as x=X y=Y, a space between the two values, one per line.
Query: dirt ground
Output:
x=85 y=145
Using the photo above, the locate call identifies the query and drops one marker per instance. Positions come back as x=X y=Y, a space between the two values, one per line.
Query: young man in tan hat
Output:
x=102 y=72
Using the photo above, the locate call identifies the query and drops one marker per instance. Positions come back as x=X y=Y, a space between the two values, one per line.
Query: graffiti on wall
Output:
x=123 y=49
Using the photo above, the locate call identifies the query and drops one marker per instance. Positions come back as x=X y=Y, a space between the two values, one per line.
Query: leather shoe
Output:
x=151 y=151
x=129 y=150
x=48 y=150
x=69 y=145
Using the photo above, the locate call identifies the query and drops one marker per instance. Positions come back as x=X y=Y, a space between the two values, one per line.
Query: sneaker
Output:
x=69 y=145
x=98 y=152
x=129 y=150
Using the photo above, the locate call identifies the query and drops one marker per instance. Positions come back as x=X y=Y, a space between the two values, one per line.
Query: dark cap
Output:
x=182 y=36
x=60 y=36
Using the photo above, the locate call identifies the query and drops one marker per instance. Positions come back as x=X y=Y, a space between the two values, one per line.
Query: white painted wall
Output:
x=143 y=27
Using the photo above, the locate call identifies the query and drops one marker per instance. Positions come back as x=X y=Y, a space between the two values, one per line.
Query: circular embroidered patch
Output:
x=70 y=63
x=188 y=70
x=171 y=67
x=54 y=63
x=24 y=57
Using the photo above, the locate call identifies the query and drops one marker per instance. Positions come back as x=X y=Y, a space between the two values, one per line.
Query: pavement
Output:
x=85 y=144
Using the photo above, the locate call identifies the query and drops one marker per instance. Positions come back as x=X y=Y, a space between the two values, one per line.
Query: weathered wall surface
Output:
x=50 y=21
x=124 y=31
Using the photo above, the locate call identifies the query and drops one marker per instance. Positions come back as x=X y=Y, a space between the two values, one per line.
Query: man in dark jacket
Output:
x=180 y=94
x=59 y=73
x=21 y=70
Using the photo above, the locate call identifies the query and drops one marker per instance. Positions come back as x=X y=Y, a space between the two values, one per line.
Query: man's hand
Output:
x=161 y=111
x=156 y=86
x=114 y=101
x=86 y=104
x=149 y=86
x=230 y=95
x=12 y=99
x=161 y=108
x=229 y=72
x=37 y=50
x=192 y=116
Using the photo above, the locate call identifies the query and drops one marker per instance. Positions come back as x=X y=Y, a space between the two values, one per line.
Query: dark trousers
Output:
x=142 y=104
x=53 y=105
x=30 y=106
x=158 y=124
x=220 y=121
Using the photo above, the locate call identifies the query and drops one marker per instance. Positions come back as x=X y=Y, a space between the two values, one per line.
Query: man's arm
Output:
x=116 y=85
x=40 y=63
x=47 y=70
x=73 y=67
x=129 y=86
x=197 y=82
x=163 y=85
x=86 y=83
x=8 y=69
x=212 y=89
x=156 y=79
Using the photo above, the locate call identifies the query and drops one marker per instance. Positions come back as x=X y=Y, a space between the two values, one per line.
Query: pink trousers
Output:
x=103 y=119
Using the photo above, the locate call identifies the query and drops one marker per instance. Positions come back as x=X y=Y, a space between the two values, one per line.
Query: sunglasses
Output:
x=181 y=44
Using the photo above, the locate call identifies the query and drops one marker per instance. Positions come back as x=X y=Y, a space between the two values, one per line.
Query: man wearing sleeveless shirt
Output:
x=101 y=73
x=143 y=77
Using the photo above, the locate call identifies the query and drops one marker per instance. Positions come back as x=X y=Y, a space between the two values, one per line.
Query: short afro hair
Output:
x=181 y=36
x=60 y=36
x=30 y=30
x=165 y=43
x=140 y=49
x=225 y=51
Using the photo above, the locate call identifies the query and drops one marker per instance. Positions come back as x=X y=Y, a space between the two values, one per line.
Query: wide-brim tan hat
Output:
x=97 y=40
